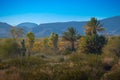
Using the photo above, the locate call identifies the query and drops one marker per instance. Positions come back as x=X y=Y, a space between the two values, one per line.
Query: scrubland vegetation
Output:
x=68 y=57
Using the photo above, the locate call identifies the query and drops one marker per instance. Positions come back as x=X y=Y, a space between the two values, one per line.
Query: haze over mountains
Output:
x=112 y=26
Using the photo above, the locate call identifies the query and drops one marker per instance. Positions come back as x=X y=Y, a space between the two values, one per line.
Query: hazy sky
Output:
x=44 y=11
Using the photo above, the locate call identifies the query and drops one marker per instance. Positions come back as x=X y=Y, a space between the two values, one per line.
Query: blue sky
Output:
x=45 y=11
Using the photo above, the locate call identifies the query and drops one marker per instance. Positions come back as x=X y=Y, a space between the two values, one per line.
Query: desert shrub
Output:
x=67 y=51
x=90 y=61
x=3 y=65
x=43 y=46
x=26 y=62
x=9 y=48
x=108 y=63
x=11 y=73
x=18 y=68
x=114 y=74
x=55 y=72
x=112 y=47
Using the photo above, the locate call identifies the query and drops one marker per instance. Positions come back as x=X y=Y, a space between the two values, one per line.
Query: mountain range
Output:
x=111 y=25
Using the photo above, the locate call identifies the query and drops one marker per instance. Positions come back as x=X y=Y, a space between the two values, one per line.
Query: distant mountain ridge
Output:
x=59 y=27
x=27 y=26
x=112 y=26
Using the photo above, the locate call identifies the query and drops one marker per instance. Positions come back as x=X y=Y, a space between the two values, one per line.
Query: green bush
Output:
x=113 y=47
x=92 y=44
x=67 y=51
x=9 y=48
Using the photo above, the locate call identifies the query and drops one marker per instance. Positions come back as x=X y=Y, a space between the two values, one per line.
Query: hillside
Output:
x=112 y=25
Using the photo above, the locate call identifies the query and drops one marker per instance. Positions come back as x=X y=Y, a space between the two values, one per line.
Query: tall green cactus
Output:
x=54 y=40
x=23 y=48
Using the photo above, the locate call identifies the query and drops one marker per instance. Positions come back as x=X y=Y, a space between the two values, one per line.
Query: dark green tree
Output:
x=71 y=35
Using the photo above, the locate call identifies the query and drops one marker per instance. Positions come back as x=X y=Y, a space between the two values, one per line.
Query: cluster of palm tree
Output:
x=92 y=28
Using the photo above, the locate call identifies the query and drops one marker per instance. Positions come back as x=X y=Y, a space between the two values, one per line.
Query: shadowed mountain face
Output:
x=112 y=26
x=4 y=30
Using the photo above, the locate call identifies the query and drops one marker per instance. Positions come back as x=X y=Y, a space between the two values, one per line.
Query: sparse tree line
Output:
x=92 y=42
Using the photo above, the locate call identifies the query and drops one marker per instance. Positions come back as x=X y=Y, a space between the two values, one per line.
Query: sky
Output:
x=46 y=11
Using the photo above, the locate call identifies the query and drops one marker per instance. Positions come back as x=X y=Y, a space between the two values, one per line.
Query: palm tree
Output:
x=93 y=26
x=71 y=35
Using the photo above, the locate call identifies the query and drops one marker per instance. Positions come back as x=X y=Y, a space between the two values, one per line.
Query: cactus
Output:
x=23 y=49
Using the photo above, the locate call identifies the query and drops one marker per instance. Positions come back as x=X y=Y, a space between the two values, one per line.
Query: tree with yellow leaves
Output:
x=30 y=39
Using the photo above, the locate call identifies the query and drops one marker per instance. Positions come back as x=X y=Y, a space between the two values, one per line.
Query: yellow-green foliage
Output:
x=93 y=27
x=112 y=47
x=54 y=40
x=43 y=46
x=30 y=38
x=82 y=45
x=9 y=48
